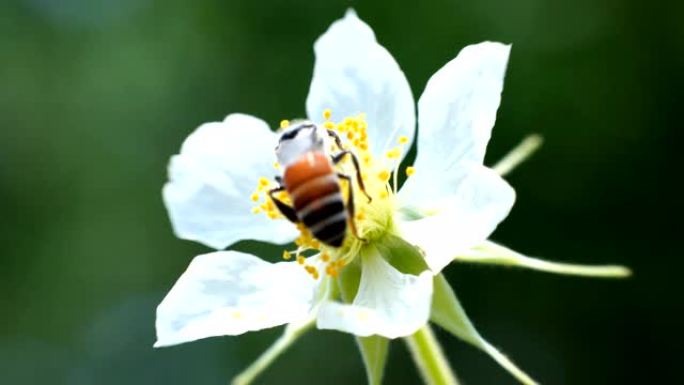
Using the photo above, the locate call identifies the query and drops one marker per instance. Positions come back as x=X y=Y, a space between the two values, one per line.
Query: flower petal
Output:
x=388 y=303
x=456 y=114
x=466 y=220
x=354 y=74
x=211 y=180
x=230 y=293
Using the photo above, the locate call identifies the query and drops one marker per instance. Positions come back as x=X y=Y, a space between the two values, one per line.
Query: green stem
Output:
x=429 y=358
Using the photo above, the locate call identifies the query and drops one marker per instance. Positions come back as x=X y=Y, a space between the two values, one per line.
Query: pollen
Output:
x=327 y=114
x=263 y=181
x=331 y=270
x=276 y=165
x=254 y=197
x=329 y=125
x=301 y=259
x=403 y=139
x=286 y=255
x=284 y=123
x=410 y=170
x=384 y=175
x=393 y=153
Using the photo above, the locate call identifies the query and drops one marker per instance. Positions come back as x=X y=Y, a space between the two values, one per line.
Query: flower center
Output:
x=372 y=219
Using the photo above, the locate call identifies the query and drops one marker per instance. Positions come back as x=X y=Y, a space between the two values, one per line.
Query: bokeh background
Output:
x=95 y=96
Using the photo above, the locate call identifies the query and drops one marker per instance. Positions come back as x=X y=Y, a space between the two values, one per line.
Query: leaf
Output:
x=448 y=313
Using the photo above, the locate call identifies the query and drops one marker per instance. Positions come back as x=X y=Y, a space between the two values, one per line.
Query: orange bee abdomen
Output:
x=314 y=190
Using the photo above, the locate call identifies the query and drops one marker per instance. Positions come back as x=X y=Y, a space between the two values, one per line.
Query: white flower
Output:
x=388 y=285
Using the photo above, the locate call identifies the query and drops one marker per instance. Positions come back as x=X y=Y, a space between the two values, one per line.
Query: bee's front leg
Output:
x=287 y=211
x=350 y=205
x=338 y=158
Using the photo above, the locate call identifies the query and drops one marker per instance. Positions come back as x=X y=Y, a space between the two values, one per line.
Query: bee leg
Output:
x=287 y=211
x=337 y=158
x=336 y=137
x=350 y=205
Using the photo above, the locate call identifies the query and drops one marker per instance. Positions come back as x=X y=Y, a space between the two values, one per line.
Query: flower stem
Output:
x=430 y=359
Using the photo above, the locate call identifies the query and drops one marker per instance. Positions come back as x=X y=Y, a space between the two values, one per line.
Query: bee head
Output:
x=297 y=139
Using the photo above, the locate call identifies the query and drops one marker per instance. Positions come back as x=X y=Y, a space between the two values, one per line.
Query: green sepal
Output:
x=495 y=254
x=401 y=255
x=448 y=313
x=349 y=280
x=374 y=348
x=374 y=351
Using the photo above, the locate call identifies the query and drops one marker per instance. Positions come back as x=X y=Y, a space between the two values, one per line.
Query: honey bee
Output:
x=313 y=183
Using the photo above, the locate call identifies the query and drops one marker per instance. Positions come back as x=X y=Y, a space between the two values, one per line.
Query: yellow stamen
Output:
x=325 y=257
x=327 y=114
x=286 y=255
x=276 y=165
x=329 y=125
x=256 y=210
x=284 y=123
x=254 y=197
x=410 y=170
x=384 y=175
x=301 y=259
x=403 y=139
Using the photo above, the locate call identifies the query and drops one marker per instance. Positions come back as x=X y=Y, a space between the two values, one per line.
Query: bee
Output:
x=313 y=183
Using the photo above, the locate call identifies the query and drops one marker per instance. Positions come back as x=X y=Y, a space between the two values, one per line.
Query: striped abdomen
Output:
x=315 y=192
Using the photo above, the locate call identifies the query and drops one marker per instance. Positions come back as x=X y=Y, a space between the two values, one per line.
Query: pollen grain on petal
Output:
x=410 y=170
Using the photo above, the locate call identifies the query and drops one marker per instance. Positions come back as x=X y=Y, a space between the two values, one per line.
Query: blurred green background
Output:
x=95 y=96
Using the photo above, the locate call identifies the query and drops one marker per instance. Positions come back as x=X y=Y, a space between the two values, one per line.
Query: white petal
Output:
x=482 y=201
x=388 y=303
x=211 y=180
x=456 y=114
x=354 y=74
x=230 y=293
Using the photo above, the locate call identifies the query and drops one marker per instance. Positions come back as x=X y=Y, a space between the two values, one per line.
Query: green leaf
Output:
x=401 y=255
x=448 y=313
x=495 y=254
x=374 y=352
